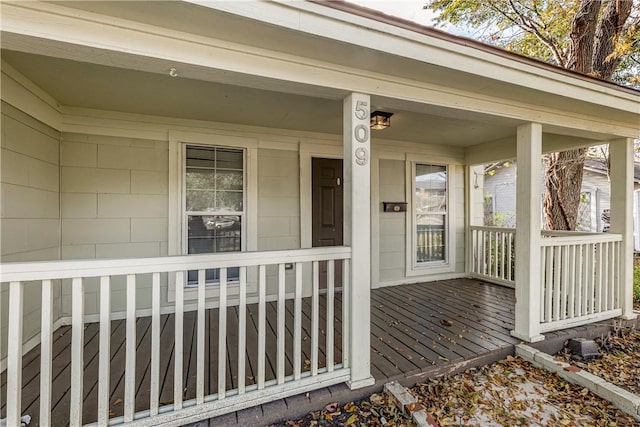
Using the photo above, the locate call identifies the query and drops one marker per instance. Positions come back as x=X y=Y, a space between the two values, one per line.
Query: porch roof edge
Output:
x=395 y=21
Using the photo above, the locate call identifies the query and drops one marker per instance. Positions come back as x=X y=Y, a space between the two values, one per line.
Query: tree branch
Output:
x=531 y=27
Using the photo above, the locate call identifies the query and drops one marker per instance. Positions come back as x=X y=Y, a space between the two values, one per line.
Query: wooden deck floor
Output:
x=415 y=330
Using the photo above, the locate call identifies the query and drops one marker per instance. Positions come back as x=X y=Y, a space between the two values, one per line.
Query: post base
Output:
x=632 y=316
x=527 y=338
x=366 y=382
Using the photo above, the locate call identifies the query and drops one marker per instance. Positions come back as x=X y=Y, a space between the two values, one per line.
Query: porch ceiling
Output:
x=86 y=85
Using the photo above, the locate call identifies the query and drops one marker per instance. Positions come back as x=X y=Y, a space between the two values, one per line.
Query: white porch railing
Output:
x=579 y=273
x=74 y=274
x=580 y=280
x=493 y=254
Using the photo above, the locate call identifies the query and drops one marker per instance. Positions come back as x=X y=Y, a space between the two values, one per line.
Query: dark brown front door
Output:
x=327 y=203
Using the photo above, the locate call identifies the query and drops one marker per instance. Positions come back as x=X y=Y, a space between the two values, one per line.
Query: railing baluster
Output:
x=178 y=341
x=612 y=275
x=14 y=354
x=510 y=257
x=619 y=258
x=543 y=288
x=222 y=335
x=549 y=283
x=572 y=281
x=262 y=330
x=598 y=305
x=478 y=250
x=314 y=317
x=200 y=338
x=297 y=324
x=556 y=283
x=77 y=352
x=330 y=314
x=483 y=254
x=346 y=313
x=502 y=255
x=564 y=266
x=580 y=279
x=46 y=346
x=280 y=324
x=154 y=392
x=591 y=278
x=242 y=330
x=605 y=276
x=130 y=368
x=104 y=365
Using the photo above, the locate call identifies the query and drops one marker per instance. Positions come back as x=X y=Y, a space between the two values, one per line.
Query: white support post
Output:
x=528 y=281
x=621 y=158
x=357 y=232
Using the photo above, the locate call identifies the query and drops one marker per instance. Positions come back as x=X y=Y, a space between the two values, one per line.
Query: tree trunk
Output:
x=591 y=52
x=614 y=16
x=563 y=181
x=582 y=33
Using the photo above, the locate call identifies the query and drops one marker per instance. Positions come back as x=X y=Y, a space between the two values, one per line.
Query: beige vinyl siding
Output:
x=392 y=224
x=278 y=207
x=114 y=205
x=30 y=218
x=457 y=215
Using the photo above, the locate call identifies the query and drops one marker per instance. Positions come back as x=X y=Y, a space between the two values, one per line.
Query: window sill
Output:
x=427 y=270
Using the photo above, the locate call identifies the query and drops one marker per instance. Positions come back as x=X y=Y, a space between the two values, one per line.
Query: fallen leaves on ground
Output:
x=378 y=410
x=512 y=392
x=620 y=362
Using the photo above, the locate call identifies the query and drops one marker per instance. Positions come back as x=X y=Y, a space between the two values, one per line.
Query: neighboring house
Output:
x=200 y=174
x=500 y=196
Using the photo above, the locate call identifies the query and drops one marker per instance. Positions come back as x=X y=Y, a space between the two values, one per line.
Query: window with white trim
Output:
x=430 y=214
x=214 y=204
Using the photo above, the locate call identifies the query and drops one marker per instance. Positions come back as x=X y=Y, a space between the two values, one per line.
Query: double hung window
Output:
x=430 y=214
x=214 y=204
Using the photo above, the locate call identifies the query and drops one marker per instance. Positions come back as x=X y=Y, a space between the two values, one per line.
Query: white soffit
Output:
x=97 y=87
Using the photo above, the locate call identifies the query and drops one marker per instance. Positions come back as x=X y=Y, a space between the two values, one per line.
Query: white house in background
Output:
x=500 y=196
x=164 y=157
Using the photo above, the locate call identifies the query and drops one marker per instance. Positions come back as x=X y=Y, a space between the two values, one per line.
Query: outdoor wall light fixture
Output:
x=380 y=120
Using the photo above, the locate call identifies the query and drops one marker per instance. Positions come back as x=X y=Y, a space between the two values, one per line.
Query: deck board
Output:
x=407 y=337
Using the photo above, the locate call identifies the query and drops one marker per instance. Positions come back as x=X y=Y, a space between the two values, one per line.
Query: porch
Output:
x=417 y=331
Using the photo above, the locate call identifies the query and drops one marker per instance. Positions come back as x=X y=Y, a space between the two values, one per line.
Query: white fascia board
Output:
x=325 y=22
x=54 y=30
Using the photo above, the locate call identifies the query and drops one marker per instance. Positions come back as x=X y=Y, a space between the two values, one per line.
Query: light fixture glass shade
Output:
x=380 y=120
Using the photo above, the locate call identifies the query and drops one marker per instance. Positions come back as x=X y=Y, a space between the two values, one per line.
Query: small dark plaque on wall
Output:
x=394 y=206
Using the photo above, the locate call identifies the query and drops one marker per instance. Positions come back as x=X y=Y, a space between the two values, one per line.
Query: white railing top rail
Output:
x=490 y=228
x=559 y=233
x=581 y=239
x=51 y=270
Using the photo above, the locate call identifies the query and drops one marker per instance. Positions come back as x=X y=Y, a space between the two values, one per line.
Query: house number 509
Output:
x=361 y=132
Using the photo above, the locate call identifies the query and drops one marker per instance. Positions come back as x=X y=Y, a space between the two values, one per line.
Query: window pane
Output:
x=229 y=159
x=229 y=201
x=201 y=157
x=431 y=189
x=200 y=200
x=229 y=180
x=214 y=234
x=430 y=238
x=200 y=178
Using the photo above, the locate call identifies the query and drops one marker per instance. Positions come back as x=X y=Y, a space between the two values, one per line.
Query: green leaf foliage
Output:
x=537 y=28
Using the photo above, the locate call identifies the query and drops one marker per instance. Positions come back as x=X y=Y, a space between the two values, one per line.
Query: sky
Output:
x=413 y=10
x=407 y=9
